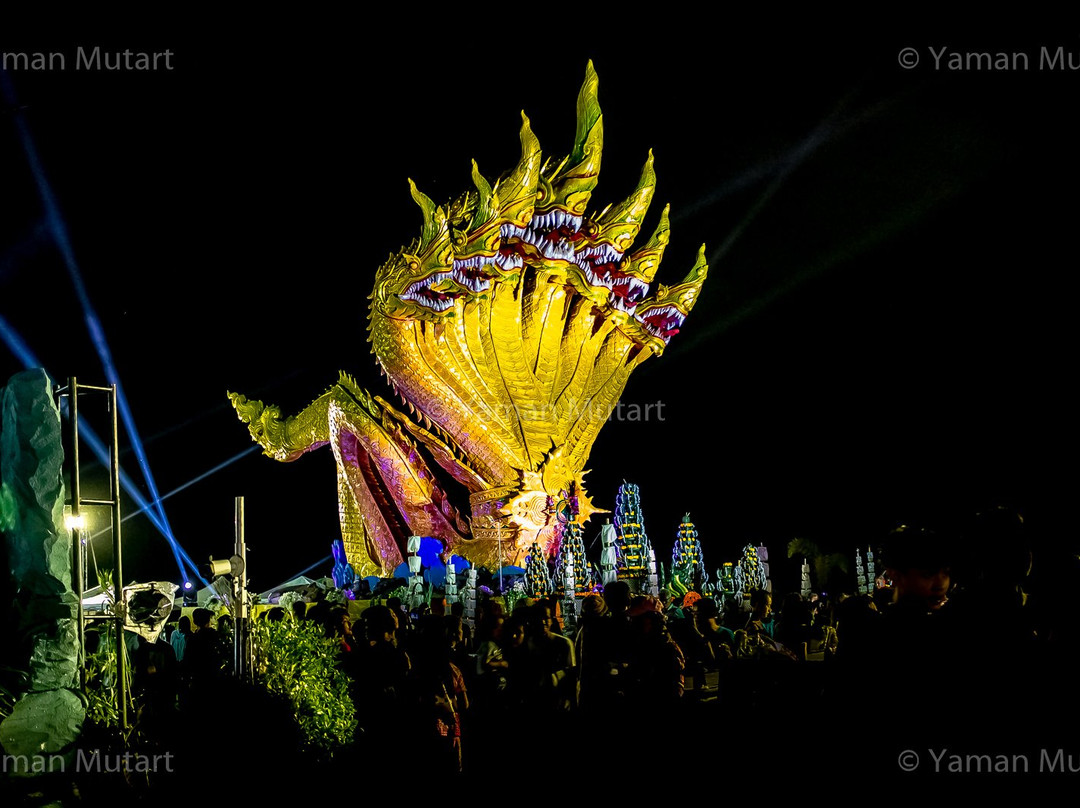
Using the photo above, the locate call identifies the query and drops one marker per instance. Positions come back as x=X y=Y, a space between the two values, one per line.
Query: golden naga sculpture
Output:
x=509 y=328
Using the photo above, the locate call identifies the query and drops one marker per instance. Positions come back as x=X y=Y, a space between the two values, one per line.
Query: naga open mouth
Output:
x=469 y=272
x=423 y=293
x=553 y=234
x=600 y=264
x=557 y=235
x=663 y=322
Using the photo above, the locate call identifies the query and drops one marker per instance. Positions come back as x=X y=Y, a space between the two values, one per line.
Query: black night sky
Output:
x=883 y=338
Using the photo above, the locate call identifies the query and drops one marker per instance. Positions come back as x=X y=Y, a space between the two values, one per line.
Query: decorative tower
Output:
x=571 y=566
x=749 y=566
x=537 y=578
x=631 y=541
x=727 y=578
x=687 y=560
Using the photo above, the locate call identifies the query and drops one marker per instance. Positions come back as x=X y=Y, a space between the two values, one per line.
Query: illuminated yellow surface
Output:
x=509 y=330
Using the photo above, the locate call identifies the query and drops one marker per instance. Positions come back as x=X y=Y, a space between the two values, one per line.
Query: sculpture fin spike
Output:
x=431 y=216
x=515 y=194
x=619 y=225
x=700 y=270
x=485 y=195
x=589 y=125
x=529 y=142
x=572 y=182
x=644 y=262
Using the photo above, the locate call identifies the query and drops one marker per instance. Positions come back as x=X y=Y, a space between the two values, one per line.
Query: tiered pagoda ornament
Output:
x=870 y=572
x=726 y=576
x=537 y=578
x=860 y=573
x=755 y=569
x=631 y=541
x=572 y=573
x=509 y=330
x=687 y=560
x=804 y=579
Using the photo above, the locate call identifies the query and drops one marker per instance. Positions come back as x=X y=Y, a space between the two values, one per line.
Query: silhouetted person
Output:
x=908 y=665
x=380 y=671
x=999 y=658
x=180 y=637
x=203 y=657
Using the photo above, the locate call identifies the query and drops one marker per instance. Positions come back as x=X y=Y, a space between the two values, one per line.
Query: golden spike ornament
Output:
x=508 y=330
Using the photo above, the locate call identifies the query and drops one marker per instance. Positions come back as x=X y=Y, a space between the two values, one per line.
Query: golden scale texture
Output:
x=508 y=330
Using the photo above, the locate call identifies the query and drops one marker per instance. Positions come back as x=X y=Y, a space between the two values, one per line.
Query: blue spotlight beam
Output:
x=93 y=323
x=17 y=345
x=194 y=480
x=308 y=569
x=98 y=448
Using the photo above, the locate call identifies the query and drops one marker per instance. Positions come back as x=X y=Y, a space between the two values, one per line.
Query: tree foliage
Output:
x=296 y=661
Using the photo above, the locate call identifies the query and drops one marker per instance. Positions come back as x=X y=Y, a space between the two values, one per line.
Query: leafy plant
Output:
x=100 y=690
x=296 y=661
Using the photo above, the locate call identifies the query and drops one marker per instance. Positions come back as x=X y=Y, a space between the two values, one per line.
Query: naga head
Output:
x=656 y=320
x=541 y=311
x=630 y=282
x=534 y=218
x=264 y=423
x=416 y=283
x=484 y=221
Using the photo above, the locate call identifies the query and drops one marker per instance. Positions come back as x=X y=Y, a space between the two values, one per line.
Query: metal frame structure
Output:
x=76 y=502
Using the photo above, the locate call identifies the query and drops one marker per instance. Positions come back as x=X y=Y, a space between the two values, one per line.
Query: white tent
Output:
x=274 y=594
x=96 y=601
